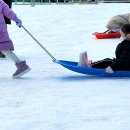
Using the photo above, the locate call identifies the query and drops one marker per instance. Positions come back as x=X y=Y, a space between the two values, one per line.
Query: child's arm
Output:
x=7 y=11
x=10 y=14
x=109 y=70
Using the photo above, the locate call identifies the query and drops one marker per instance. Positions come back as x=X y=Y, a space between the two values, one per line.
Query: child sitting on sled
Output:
x=6 y=45
x=116 y=22
x=122 y=60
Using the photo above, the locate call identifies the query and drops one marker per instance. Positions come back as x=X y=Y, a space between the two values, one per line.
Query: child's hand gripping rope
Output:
x=18 y=22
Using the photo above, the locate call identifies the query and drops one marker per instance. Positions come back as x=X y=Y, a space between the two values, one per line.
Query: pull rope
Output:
x=54 y=59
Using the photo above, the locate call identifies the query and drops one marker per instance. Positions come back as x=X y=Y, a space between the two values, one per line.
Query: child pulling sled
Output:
x=6 y=45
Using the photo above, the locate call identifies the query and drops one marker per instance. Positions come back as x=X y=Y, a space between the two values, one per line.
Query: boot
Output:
x=89 y=62
x=22 y=68
x=80 y=63
x=83 y=60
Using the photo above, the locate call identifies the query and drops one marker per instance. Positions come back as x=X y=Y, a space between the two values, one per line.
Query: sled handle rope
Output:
x=106 y=31
x=54 y=59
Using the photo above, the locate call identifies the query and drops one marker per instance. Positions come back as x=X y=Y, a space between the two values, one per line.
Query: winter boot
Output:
x=22 y=68
x=89 y=62
x=83 y=60
x=80 y=63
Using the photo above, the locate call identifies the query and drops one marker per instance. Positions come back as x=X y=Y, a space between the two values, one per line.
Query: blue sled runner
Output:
x=90 y=71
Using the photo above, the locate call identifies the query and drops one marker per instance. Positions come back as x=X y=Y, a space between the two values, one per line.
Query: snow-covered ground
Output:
x=51 y=97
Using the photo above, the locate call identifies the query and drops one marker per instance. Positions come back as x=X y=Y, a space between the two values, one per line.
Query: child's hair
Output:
x=125 y=29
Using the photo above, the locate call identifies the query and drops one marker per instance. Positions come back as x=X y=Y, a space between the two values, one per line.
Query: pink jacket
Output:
x=5 y=42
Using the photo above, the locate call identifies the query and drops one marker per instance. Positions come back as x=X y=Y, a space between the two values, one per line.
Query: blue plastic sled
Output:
x=91 y=71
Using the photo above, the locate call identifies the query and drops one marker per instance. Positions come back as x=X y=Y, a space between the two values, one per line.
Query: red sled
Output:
x=107 y=35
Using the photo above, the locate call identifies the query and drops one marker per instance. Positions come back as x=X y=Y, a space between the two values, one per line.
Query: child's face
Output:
x=122 y=34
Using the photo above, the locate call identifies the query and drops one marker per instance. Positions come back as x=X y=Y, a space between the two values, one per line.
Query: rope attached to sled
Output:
x=54 y=59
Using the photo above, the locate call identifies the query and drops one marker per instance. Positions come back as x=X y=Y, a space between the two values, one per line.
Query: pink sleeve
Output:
x=7 y=11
